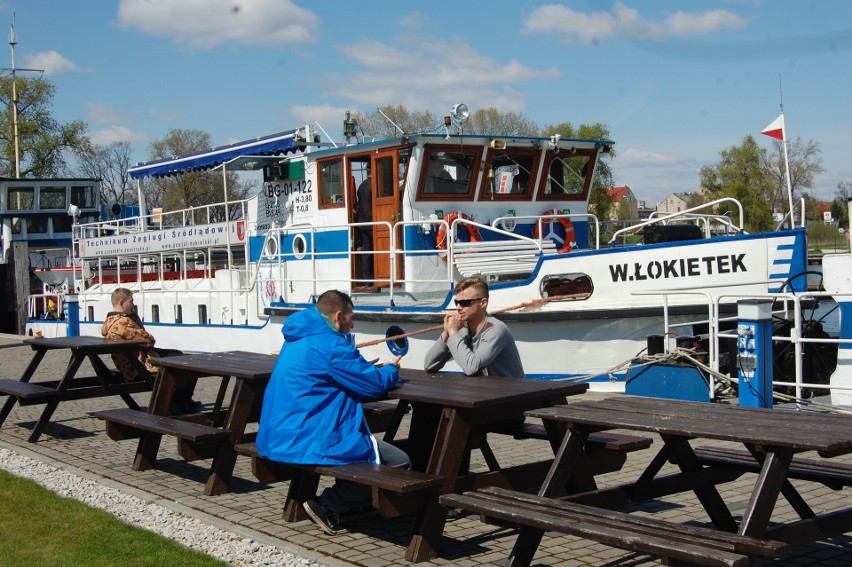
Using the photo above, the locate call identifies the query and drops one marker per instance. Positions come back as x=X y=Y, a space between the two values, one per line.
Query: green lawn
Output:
x=39 y=528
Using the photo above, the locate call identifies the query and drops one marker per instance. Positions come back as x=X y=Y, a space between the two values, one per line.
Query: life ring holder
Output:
x=569 y=242
x=441 y=234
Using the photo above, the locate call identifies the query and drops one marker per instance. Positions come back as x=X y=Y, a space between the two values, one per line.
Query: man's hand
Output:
x=452 y=325
x=394 y=362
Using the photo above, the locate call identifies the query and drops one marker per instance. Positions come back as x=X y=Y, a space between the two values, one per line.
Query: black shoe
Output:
x=328 y=521
x=193 y=404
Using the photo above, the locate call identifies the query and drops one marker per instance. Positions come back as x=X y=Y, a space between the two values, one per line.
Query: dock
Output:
x=77 y=441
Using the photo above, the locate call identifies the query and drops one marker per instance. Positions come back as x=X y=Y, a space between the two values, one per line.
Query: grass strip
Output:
x=38 y=527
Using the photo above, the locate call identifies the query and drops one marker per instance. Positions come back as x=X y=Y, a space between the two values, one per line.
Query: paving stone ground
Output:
x=75 y=440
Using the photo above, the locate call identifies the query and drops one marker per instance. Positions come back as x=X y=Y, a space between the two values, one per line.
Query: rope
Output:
x=525 y=305
x=687 y=354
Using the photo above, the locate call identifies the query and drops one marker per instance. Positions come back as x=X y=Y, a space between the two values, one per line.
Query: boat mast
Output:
x=14 y=101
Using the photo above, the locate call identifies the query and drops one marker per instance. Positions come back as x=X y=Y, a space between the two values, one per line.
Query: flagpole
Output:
x=786 y=159
x=787 y=170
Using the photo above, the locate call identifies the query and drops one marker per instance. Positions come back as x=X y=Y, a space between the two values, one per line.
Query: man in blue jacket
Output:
x=312 y=406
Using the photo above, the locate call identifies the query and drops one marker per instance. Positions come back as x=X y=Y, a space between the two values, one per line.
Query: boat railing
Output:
x=705 y=220
x=786 y=303
x=508 y=223
x=685 y=214
x=163 y=220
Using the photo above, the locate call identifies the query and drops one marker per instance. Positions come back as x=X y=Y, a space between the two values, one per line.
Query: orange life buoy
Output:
x=569 y=243
x=441 y=235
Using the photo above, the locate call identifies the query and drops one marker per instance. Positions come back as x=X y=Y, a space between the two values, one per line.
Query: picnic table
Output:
x=772 y=439
x=198 y=438
x=70 y=386
x=466 y=405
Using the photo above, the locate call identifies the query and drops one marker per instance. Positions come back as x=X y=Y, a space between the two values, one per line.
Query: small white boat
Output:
x=444 y=206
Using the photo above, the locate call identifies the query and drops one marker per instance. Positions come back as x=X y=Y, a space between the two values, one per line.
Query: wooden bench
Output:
x=379 y=415
x=499 y=257
x=196 y=440
x=607 y=451
x=25 y=391
x=834 y=475
x=683 y=544
x=395 y=491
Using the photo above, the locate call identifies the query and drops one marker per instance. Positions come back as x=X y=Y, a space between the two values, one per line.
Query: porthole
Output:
x=270 y=248
x=299 y=246
x=399 y=346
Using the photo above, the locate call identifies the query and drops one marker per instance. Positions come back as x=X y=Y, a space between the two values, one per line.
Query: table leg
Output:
x=53 y=402
x=222 y=469
x=105 y=376
x=448 y=453
x=709 y=497
x=161 y=400
x=570 y=468
x=773 y=475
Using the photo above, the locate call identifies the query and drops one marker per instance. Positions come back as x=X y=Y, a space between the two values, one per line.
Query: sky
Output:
x=676 y=82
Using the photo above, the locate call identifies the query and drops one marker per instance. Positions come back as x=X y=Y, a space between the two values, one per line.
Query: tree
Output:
x=600 y=202
x=738 y=174
x=194 y=189
x=840 y=205
x=42 y=140
x=377 y=126
x=805 y=164
x=490 y=121
x=110 y=164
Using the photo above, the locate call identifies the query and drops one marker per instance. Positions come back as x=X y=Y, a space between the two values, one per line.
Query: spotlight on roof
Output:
x=460 y=112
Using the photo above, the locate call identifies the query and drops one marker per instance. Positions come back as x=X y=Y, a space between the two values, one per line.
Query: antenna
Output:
x=401 y=131
x=13 y=43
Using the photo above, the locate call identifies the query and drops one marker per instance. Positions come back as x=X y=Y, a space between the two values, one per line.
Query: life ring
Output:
x=569 y=242
x=441 y=235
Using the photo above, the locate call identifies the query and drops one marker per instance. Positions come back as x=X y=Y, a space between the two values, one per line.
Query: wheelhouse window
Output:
x=448 y=172
x=331 y=183
x=52 y=198
x=20 y=199
x=84 y=197
x=569 y=175
x=510 y=174
x=62 y=224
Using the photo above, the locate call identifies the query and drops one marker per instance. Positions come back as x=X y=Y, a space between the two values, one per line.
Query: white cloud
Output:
x=111 y=134
x=432 y=73
x=101 y=113
x=209 y=23
x=623 y=21
x=163 y=116
x=633 y=157
x=51 y=62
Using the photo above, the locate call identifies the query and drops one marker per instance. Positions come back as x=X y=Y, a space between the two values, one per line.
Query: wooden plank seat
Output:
x=834 y=475
x=395 y=491
x=680 y=543
x=607 y=451
x=25 y=390
x=379 y=414
x=126 y=423
x=499 y=257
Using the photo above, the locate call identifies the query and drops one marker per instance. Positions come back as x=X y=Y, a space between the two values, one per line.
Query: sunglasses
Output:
x=467 y=302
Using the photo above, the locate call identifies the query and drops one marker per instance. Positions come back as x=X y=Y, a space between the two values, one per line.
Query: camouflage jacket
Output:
x=120 y=326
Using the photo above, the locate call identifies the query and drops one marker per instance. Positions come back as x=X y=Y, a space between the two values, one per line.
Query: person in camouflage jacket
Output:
x=123 y=323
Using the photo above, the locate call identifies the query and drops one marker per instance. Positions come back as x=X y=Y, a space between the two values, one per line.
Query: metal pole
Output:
x=12 y=42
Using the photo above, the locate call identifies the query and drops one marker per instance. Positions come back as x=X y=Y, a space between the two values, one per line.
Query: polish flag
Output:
x=776 y=129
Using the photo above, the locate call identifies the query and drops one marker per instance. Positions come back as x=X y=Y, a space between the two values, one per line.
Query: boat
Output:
x=574 y=291
x=38 y=214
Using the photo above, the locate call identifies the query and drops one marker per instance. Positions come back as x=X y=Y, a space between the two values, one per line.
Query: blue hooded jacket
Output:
x=312 y=406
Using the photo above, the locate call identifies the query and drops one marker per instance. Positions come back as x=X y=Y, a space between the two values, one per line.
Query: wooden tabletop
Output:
x=82 y=343
x=830 y=434
x=237 y=363
x=458 y=390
